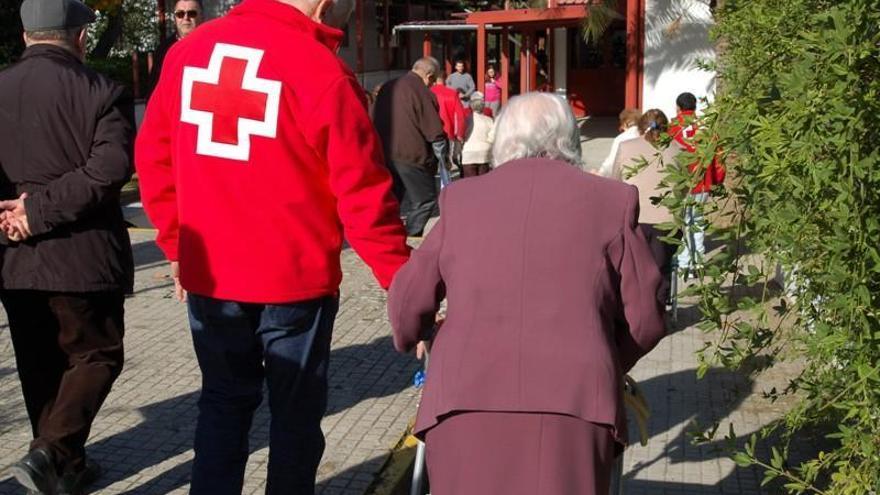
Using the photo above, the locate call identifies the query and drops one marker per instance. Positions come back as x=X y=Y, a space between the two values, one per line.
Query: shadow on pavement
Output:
x=358 y=373
x=146 y=254
x=680 y=398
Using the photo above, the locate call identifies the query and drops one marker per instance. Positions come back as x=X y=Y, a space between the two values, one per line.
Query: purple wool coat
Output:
x=551 y=291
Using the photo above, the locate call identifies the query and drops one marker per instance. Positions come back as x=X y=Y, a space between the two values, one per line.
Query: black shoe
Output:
x=36 y=472
x=75 y=483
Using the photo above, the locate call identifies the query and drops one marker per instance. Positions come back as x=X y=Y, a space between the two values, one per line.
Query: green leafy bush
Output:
x=797 y=117
x=118 y=69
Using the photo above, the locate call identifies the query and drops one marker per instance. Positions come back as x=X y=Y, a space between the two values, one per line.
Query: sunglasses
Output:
x=189 y=14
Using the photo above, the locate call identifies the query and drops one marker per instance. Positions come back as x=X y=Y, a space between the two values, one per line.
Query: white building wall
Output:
x=676 y=41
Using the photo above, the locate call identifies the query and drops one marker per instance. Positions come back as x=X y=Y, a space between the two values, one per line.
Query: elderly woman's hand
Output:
x=422 y=349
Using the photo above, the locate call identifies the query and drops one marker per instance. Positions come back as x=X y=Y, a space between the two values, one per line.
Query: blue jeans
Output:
x=694 y=233
x=239 y=345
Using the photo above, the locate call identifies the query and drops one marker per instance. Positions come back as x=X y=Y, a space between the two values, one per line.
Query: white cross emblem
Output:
x=229 y=103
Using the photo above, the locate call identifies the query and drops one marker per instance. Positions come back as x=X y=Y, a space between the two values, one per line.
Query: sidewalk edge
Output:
x=395 y=474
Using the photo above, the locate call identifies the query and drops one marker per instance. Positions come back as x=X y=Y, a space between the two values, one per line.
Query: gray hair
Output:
x=427 y=66
x=339 y=13
x=65 y=36
x=537 y=125
x=346 y=6
x=478 y=105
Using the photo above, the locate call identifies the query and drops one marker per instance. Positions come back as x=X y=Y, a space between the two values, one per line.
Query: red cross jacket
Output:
x=256 y=156
x=451 y=111
x=683 y=130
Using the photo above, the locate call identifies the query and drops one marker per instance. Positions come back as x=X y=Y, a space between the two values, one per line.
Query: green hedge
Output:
x=118 y=69
x=798 y=120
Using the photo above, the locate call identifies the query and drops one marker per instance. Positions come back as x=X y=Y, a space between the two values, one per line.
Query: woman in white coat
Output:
x=477 y=151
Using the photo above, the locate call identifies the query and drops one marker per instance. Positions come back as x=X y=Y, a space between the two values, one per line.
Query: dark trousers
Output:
x=455 y=147
x=416 y=186
x=663 y=254
x=68 y=348
x=474 y=169
x=238 y=346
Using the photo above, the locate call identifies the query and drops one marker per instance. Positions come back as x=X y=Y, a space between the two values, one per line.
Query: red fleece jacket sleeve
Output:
x=459 y=120
x=341 y=132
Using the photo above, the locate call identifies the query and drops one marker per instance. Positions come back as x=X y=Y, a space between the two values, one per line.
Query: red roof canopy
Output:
x=567 y=15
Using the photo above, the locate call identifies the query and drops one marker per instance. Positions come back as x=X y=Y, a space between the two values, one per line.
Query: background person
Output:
x=256 y=222
x=66 y=134
x=494 y=87
x=650 y=156
x=683 y=131
x=477 y=151
x=529 y=401
x=407 y=117
x=461 y=81
x=188 y=14
x=629 y=129
x=452 y=115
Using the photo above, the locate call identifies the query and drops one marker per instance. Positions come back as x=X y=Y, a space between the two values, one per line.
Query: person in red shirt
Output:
x=254 y=170
x=452 y=115
x=683 y=131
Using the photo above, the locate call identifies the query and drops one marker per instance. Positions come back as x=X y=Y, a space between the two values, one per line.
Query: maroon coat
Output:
x=551 y=292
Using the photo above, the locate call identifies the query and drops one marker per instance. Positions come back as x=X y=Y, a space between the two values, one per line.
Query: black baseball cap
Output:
x=44 y=15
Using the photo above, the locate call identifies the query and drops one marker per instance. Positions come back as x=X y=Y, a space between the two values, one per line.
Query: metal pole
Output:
x=616 y=487
x=418 y=479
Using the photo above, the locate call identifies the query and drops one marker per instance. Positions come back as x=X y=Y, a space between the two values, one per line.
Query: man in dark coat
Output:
x=407 y=117
x=188 y=14
x=66 y=136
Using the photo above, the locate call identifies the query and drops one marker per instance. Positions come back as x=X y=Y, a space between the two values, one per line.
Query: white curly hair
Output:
x=537 y=125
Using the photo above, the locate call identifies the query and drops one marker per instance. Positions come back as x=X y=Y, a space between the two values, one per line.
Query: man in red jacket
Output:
x=452 y=115
x=253 y=170
x=683 y=130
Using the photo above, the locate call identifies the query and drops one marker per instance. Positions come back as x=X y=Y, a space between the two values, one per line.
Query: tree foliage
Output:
x=11 y=44
x=123 y=27
x=798 y=123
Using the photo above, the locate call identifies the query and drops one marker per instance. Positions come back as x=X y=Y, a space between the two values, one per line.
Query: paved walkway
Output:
x=670 y=463
x=143 y=435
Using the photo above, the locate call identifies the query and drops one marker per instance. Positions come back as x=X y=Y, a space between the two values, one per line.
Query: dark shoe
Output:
x=75 y=483
x=36 y=472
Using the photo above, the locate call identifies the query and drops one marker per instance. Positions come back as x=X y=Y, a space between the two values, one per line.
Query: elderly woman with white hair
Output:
x=550 y=287
x=478 y=143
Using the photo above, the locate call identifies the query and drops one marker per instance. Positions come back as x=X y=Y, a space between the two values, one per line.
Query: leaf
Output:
x=742 y=459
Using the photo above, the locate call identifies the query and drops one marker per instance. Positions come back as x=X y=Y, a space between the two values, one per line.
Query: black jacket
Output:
x=158 y=60
x=407 y=118
x=66 y=137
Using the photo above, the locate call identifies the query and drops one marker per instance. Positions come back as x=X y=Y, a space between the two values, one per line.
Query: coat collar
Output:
x=684 y=115
x=49 y=50
x=288 y=14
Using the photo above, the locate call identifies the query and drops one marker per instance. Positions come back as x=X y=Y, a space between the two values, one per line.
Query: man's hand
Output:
x=13 y=219
x=179 y=291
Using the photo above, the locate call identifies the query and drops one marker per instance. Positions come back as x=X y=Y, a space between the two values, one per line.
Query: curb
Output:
x=395 y=475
